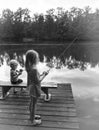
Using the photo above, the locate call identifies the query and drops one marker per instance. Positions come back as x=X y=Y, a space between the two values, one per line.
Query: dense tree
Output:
x=21 y=20
x=6 y=22
x=49 y=25
x=59 y=24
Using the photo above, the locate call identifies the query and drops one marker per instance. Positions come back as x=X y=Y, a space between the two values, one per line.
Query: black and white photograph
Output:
x=49 y=65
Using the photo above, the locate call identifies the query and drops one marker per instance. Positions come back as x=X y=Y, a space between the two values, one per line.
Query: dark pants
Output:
x=17 y=82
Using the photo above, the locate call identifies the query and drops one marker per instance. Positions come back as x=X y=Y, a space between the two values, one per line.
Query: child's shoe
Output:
x=37 y=122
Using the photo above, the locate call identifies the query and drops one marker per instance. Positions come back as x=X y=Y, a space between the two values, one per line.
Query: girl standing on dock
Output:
x=33 y=83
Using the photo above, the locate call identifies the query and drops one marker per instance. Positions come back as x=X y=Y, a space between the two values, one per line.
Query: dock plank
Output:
x=58 y=114
x=13 y=127
x=50 y=124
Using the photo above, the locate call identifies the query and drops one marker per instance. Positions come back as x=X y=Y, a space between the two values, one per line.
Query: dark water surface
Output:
x=81 y=50
x=47 y=50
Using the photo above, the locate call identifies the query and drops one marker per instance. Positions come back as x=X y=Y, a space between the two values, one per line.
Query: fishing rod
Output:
x=65 y=50
x=68 y=46
x=72 y=42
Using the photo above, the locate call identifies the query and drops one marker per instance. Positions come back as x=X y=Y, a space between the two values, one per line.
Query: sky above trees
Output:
x=41 y=6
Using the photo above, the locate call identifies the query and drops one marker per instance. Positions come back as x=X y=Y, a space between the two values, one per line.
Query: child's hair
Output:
x=13 y=63
x=32 y=58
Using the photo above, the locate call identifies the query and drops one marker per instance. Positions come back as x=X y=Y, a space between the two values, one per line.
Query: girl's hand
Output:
x=44 y=74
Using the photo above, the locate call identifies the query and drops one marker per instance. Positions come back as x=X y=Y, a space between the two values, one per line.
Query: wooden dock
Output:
x=58 y=114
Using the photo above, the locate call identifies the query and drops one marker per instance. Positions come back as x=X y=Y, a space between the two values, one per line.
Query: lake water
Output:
x=85 y=84
x=90 y=49
x=44 y=49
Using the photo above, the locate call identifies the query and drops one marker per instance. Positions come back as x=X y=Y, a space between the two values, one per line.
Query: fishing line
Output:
x=68 y=46
x=72 y=42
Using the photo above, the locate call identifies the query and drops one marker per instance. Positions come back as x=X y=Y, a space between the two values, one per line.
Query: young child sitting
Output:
x=14 y=73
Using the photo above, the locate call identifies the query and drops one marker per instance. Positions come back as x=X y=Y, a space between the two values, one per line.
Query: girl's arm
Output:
x=43 y=75
x=38 y=77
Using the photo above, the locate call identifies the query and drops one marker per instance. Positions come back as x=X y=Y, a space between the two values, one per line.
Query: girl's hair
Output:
x=32 y=58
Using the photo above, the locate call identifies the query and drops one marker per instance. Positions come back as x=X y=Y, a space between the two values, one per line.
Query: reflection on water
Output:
x=88 y=51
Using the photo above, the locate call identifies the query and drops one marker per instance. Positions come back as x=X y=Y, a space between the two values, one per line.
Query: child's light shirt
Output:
x=13 y=75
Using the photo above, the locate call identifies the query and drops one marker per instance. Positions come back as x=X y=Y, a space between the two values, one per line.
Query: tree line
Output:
x=56 y=25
